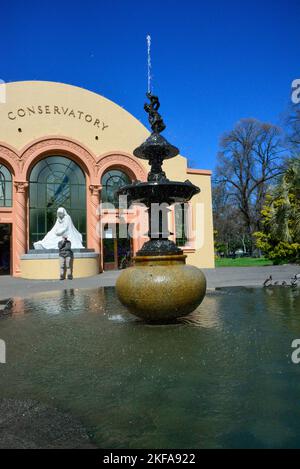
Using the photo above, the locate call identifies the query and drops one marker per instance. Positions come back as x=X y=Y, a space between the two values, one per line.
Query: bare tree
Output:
x=250 y=158
x=229 y=226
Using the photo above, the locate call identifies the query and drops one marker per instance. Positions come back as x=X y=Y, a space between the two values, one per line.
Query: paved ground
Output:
x=249 y=276
x=221 y=277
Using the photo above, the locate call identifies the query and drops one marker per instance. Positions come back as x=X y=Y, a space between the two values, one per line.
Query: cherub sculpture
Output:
x=155 y=119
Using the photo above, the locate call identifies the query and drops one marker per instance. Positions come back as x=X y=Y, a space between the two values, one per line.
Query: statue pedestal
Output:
x=43 y=264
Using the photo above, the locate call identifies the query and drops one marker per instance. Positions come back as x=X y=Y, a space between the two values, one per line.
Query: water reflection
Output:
x=207 y=315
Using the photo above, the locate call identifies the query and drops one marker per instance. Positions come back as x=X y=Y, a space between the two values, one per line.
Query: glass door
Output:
x=117 y=251
x=5 y=248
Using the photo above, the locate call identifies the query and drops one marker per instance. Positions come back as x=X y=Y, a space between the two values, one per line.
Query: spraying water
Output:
x=149 y=62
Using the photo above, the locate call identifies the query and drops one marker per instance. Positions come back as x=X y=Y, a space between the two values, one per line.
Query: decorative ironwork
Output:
x=158 y=189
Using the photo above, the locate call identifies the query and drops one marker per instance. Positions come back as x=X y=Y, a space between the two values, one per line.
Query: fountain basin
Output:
x=166 y=191
x=131 y=384
x=161 y=288
x=156 y=145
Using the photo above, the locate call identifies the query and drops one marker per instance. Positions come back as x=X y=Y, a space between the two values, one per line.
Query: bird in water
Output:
x=268 y=281
x=294 y=281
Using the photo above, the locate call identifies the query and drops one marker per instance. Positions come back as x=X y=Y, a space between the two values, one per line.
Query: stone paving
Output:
x=220 y=277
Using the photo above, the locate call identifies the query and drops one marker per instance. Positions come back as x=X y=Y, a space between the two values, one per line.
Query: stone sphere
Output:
x=161 y=288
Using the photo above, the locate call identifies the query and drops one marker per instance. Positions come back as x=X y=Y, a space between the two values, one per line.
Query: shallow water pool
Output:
x=222 y=378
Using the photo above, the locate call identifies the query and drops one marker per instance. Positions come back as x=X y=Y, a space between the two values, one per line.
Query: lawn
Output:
x=243 y=262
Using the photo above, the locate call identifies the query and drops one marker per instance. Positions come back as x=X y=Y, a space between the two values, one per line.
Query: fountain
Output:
x=159 y=286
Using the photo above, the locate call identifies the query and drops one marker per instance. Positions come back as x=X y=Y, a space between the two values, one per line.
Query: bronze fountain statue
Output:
x=160 y=286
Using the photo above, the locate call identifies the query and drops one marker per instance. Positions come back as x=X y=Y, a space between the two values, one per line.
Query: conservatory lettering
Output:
x=63 y=111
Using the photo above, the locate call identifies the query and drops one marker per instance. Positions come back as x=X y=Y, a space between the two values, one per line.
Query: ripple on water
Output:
x=221 y=377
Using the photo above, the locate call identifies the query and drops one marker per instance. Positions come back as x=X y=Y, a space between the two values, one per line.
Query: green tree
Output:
x=280 y=236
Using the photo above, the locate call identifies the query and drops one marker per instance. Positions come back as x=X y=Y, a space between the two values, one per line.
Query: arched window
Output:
x=5 y=187
x=111 y=181
x=56 y=181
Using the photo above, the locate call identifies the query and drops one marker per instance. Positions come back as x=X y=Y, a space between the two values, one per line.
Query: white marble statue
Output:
x=63 y=227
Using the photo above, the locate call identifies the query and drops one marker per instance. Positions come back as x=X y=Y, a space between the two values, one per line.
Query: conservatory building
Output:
x=63 y=146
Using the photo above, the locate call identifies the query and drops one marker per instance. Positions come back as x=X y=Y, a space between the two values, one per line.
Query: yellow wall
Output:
x=123 y=133
x=204 y=255
x=44 y=269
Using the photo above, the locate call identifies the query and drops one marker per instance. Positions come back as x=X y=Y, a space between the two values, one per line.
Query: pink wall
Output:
x=94 y=166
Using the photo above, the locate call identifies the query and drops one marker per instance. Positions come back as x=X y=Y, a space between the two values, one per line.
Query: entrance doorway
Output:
x=117 y=250
x=5 y=248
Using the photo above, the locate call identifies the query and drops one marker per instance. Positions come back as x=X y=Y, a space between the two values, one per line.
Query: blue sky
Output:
x=214 y=62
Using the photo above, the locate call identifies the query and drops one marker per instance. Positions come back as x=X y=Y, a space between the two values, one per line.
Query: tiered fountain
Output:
x=160 y=286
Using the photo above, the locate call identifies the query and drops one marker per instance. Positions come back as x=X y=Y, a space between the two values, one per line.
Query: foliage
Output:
x=231 y=238
x=279 y=238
